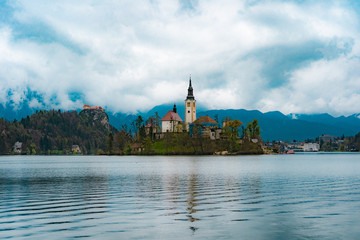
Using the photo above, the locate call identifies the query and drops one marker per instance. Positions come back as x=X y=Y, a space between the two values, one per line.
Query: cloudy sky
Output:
x=130 y=55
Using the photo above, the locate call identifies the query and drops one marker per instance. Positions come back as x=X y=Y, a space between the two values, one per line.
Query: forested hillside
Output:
x=55 y=132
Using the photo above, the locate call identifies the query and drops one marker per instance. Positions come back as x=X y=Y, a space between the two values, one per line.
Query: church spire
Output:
x=190 y=106
x=190 y=95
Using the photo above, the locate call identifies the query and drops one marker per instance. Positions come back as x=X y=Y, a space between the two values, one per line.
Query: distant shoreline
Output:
x=182 y=154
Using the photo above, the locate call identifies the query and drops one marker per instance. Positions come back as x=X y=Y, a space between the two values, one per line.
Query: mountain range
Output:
x=277 y=126
x=274 y=125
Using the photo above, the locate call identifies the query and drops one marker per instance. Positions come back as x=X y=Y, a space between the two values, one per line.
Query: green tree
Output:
x=122 y=139
x=138 y=124
x=216 y=118
x=231 y=131
x=157 y=121
x=154 y=123
x=32 y=149
x=110 y=141
x=3 y=147
x=253 y=129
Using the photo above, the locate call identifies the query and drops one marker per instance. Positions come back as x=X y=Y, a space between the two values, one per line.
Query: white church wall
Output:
x=169 y=126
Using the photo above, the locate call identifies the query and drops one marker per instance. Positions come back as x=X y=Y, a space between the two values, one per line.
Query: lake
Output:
x=299 y=196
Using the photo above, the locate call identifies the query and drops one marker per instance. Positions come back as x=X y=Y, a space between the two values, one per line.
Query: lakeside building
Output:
x=17 y=148
x=206 y=126
x=296 y=146
x=150 y=129
x=75 y=149
x=311 y=147
x=171 y=122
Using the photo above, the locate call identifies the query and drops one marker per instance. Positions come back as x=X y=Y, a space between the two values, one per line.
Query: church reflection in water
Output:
x=182 y=193
x=193 y=196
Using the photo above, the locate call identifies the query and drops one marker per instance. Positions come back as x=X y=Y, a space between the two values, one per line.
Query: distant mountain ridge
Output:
x=277 y=126
x=274 y=125
x=352 y=120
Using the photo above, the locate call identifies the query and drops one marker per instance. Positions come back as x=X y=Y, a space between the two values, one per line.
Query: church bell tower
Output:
x=190 y=106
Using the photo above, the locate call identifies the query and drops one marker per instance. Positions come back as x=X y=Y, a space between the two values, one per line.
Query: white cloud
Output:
x=133 y=55
x=323 y=86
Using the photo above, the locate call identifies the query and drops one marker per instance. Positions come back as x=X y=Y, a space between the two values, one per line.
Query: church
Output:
x=172 y=122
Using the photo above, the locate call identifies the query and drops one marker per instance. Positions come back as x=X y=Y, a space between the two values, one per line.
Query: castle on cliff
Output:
x=86 y=107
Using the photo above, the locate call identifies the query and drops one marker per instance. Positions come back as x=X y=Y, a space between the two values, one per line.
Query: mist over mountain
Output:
x=8 y=112
x=274 y=125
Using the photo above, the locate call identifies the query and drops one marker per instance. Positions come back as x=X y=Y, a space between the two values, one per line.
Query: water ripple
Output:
x=164 y=198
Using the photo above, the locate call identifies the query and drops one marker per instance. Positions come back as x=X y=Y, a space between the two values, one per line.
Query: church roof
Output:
x=205 y=119
x=172 y=116
x=190 y=95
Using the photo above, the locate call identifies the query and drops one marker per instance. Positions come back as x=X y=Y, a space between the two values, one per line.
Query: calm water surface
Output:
x=301 y=196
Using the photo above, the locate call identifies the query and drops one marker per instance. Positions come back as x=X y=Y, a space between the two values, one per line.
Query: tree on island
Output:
x=231 y=132
x=154 y=123
x=138 y=125
x=252 y=129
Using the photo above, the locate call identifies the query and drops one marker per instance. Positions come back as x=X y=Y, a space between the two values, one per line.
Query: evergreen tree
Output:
x=3 y=147
x=110 y=141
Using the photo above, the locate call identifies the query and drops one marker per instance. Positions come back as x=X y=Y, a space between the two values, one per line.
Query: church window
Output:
x=188 y=104
x=194 y=104
x=189 y=111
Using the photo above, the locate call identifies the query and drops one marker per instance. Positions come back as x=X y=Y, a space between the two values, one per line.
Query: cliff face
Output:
x=96 y=115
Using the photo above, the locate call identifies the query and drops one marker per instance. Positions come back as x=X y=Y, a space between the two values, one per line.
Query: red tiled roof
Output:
x=172 y=116
x=205 y=119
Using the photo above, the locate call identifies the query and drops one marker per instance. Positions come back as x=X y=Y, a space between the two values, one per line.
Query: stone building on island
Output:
x=172 y=122
x=204 y=125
